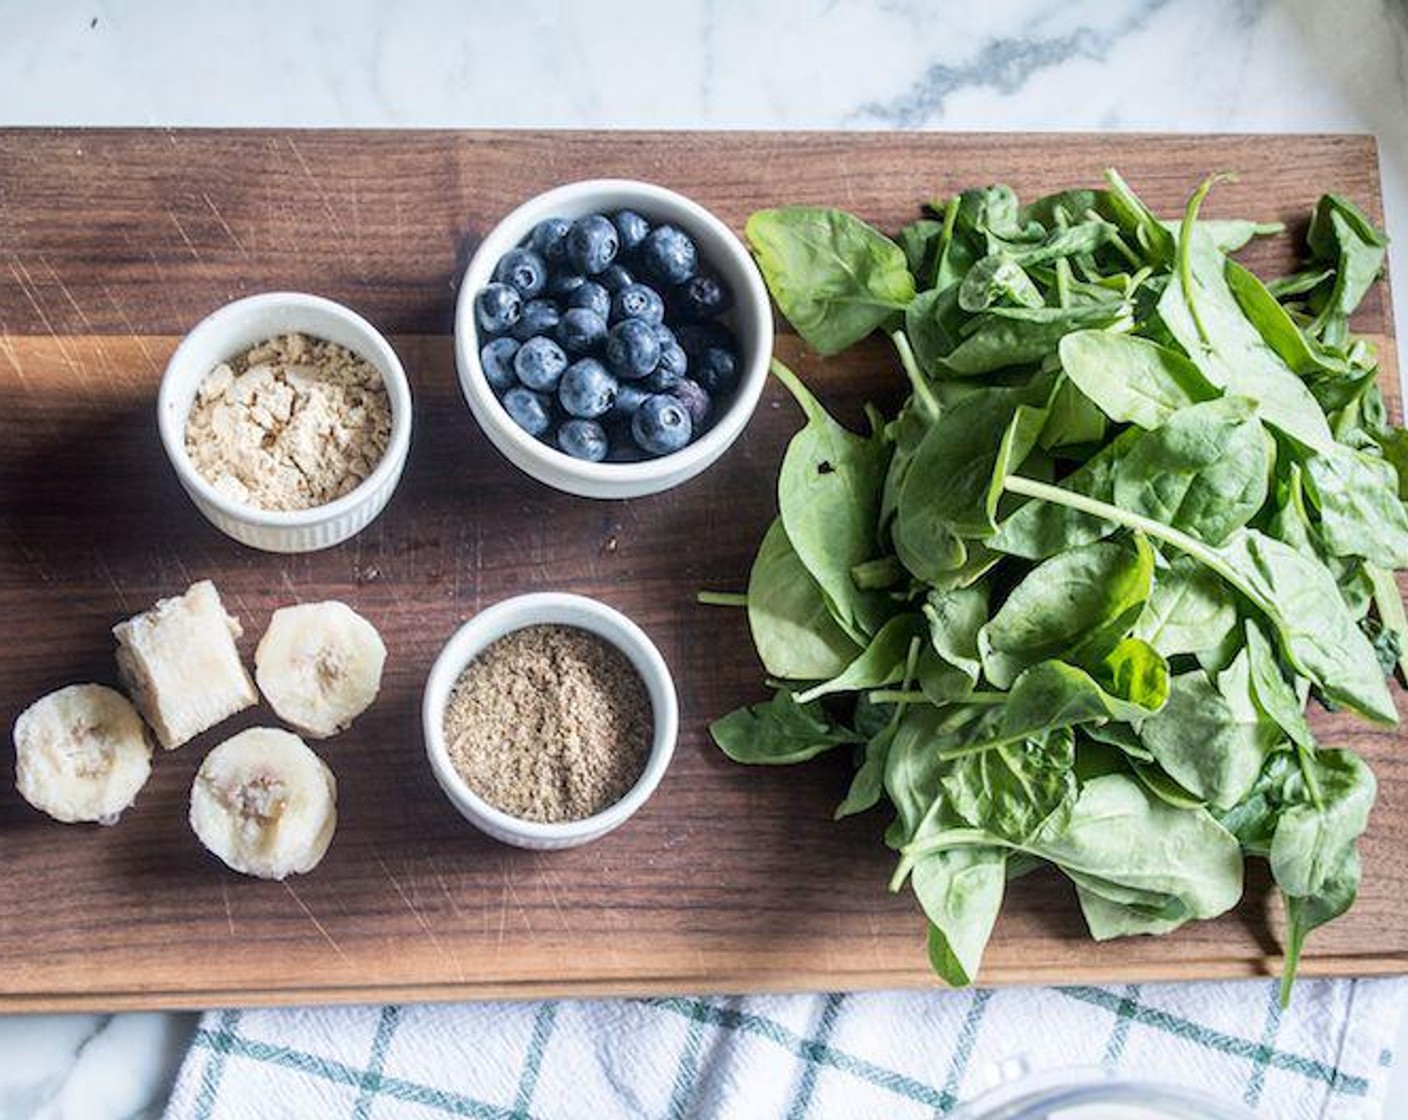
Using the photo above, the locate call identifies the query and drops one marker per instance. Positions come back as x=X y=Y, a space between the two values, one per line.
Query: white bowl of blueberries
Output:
x=612 y=338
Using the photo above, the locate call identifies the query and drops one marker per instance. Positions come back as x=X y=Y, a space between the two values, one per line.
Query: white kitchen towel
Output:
x=878 y=1054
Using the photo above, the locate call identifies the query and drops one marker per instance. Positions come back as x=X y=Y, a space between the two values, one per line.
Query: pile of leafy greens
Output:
x=1070 y=603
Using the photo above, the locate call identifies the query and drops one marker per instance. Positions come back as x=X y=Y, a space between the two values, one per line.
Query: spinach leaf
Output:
x=1209 y=325
x=1189 y=610
x=834 y=277
x=1135 y=219
x=1273 y=694
x=779 y=732
x=1080 y=603
x=1118 y=834
x=960 y=891
x=1312 y=839
x=881 y=662
x=793 y=631
x=997 y=279
x=828 y=491
x=955 y=617
x=1040 y=529
x=1132 y=380
x=1340 y=233
x=1206 y=741
x=1014 y=336
x=1205 y=471
x=1072 y=420
x=1106 y=919
x=1360 y=511
x=923 y=244
x=1305 y=913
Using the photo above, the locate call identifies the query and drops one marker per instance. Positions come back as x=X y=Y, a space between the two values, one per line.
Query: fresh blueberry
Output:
x=539 y=364
x=540 y=316
x=638 y=301
x=695 y=400
x=661 y=425
x=549 y=240
x=562 y=285
x=716 y=370
x=701 y=297
x=670 y=371
x=580 y=330
x=496 y=358
x=632 y=350
x=592 y=244
x=631 y=228
x=586 y=389
x=529 y=410
x=497 y=308
x=615 y=278
x=524 y=270
x=668 y=255
x=583 y=439
x=628 y=398
x=665 y=335
x=695 y=338
x=674 y=359
x=591 y=296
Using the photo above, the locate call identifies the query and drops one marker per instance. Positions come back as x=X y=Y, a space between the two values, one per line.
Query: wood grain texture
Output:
x=113 y=243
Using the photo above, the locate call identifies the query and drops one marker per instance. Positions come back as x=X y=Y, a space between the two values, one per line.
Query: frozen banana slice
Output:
x=265 y=804
x=319 y=666
x=81 y=754
x=179 y=662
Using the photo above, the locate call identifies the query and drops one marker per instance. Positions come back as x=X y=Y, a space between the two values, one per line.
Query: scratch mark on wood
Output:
x=336 y=948
x=219 y=217
x=27 y=286
x=13 y=355
x=132 y=330
x=518 y=902
x=102 y=564
x=288 y=583
x=444 y=887
x=229 y=915
x=182 y=231
x=550 y=883
x=419 y=917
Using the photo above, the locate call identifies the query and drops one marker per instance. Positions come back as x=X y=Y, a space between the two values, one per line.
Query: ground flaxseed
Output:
x=549 y=723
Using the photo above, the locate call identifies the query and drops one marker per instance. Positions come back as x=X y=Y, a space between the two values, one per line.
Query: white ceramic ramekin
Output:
x=236 y=327
x=548 y=608
x=750 y=319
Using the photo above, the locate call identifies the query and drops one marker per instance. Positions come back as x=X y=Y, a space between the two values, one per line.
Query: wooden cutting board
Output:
x=113 y=243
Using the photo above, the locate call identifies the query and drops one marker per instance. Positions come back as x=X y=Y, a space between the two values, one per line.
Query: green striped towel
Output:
x=877 y=1054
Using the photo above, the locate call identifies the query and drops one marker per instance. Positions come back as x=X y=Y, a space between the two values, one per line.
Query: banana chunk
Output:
x=319 y=666
x=179 y=662
x=81 y=754
x=265 y=804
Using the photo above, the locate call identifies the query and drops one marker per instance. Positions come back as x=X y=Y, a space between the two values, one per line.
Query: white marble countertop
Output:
x=1162 y=65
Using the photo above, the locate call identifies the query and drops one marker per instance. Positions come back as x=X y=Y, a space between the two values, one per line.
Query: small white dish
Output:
x=548 y=608
x=236 y=327
x=750 y=320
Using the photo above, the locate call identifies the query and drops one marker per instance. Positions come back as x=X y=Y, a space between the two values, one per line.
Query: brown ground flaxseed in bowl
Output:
x=549 y=723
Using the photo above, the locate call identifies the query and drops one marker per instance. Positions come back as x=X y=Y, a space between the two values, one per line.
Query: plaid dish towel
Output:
x=879 y=1054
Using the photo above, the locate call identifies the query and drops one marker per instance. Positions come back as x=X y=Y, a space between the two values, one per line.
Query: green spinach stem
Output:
x=917 y=382
x=722 y=599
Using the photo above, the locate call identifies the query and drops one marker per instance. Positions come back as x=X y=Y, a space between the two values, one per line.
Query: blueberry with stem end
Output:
x=540 y=316
x=523 y=270
x=668 y=255
x=496 y=359
x=592 y=244
x=631 y=228
x=632 y=350
x=638 y=301
x=581 y=330
x=661 y=425
x=591 y=296
x=539 y=364
x=497 y=308
x=583 y=439
x=587 y=390
x=549 y=240
x=529 y=410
